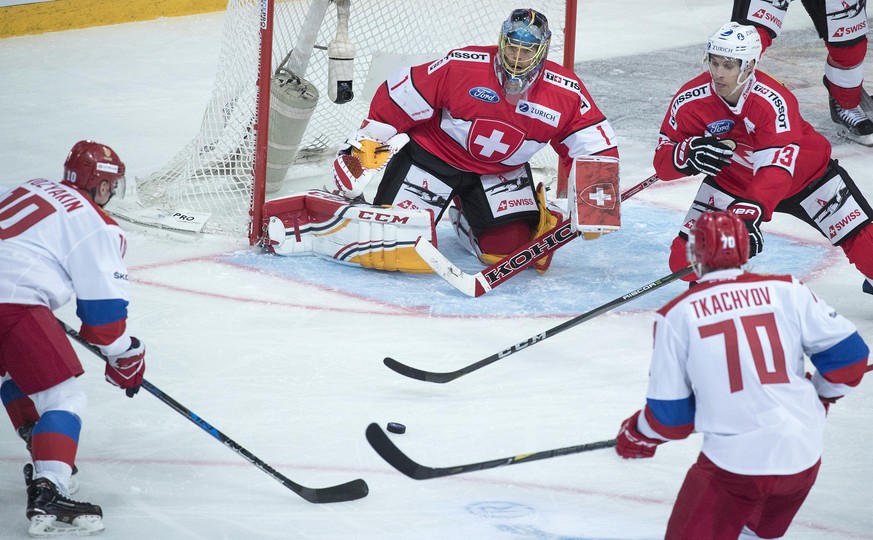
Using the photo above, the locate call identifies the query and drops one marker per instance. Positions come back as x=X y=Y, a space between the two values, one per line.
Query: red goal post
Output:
x=223 y=175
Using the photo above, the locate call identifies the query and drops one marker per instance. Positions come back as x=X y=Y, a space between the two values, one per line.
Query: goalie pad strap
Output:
x=354 y=233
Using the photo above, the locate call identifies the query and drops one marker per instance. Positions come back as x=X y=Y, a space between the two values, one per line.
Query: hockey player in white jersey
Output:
x=56 y=241
x=728 y=362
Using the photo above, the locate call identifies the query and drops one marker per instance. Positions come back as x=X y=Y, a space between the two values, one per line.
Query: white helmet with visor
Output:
x=737 y=41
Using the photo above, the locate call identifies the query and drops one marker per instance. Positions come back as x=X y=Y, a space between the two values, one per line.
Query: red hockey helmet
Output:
x=718 y=240
x=89 y=163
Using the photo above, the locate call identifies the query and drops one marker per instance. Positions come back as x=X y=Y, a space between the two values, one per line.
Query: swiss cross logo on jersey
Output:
x=599 y=196
x=492 y=141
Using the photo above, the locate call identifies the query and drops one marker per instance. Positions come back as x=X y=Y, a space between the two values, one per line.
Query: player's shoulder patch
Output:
x=467 y=54
x=776 y=97
x=562 y=80
x=567 y=83
x=693 y=93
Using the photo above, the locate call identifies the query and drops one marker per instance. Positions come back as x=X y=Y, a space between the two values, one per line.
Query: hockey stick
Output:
x=400 y=461
x=349 y=491
x=430 y=376
x=480 y=283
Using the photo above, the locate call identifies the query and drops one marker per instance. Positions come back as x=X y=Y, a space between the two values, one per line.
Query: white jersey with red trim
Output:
x=729 y=358
x=55 y=242
x=455 y=109
x=776 y=147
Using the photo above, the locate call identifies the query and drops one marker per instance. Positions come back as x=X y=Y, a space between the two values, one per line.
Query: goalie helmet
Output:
x=734 y=40
x=89 y=163
x=522 y=48
x=718 y=240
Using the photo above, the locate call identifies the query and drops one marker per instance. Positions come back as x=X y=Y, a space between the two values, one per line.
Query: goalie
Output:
x=461 y=130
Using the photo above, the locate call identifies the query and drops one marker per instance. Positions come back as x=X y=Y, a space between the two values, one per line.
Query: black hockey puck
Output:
x=394 y=427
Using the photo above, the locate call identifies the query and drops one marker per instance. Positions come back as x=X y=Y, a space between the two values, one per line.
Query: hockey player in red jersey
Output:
x=728 y=362
x=55 y=240
x=743 y=130
x=842 y=24
x=474 y=119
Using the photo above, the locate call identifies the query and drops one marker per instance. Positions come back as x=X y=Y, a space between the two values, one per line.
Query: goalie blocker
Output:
x=350 y=232
x=593 y=197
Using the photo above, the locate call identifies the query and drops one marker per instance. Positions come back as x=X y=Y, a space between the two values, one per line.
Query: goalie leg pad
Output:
x=550 y=215
x=330 y=226
x=593 y=198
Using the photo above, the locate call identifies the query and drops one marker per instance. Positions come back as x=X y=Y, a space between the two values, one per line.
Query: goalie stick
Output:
x=388 y=451
x=434 y=377
x=480 y=283
x=349 y=491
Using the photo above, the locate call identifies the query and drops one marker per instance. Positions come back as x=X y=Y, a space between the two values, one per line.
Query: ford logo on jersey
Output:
x=484 y=94
x=721 y=127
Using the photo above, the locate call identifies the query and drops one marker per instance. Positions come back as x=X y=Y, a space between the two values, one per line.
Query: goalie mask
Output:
x=738 y=42
x=522 y=48
x=718 y=240
x=90 y=163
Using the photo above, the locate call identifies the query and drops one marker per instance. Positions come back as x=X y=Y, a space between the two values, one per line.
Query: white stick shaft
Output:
x=306 y=39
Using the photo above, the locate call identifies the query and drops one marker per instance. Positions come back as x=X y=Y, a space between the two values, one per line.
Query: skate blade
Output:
x=865 y=140
x=45 y=526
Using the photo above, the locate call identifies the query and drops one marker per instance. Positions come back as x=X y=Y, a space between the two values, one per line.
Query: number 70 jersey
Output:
x=729 y=356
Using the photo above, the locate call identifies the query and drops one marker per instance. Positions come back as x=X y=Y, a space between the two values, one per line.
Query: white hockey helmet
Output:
x=738 y=41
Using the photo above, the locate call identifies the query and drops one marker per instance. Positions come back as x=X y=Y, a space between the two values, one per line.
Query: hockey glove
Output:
x=365 y=153
x=631 y=444
x=126 y=369
x=707 y=155
x=751 y=214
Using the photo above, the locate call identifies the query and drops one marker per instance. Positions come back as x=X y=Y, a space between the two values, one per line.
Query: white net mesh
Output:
x=214 y=172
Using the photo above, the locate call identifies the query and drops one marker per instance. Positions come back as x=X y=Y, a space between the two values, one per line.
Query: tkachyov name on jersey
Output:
x=538 y=112
x=730 y=300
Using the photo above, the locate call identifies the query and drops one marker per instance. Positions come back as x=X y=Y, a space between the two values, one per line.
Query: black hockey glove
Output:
x=707 y=155
x=751 y=214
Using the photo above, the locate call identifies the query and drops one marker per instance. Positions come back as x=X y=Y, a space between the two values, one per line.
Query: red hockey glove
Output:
x=631 y=444
x=707 y=155
x=751 y=213
x=126 y=369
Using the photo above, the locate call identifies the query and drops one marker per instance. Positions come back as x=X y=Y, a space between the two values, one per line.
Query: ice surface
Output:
x=285 y=355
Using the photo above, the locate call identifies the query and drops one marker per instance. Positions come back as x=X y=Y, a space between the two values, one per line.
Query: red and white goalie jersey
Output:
x=456 y=110
x=778 y=152
x=728 y=361
x=55 y=242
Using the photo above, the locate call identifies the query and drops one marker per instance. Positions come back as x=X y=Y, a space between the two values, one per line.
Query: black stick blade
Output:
x=350 y=491
x=386 y=449
x=420 y=374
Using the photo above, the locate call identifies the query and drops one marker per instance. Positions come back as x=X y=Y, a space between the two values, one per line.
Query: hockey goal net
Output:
x=221 y=172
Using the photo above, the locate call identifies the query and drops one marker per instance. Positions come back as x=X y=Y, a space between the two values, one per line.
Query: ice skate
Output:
x=854 y=123
x=26 y=433
x=51 y=514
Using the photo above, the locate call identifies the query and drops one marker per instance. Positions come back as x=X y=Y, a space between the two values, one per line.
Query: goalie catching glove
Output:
x=707 y=155
x=366 y=153
x=126 y=370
